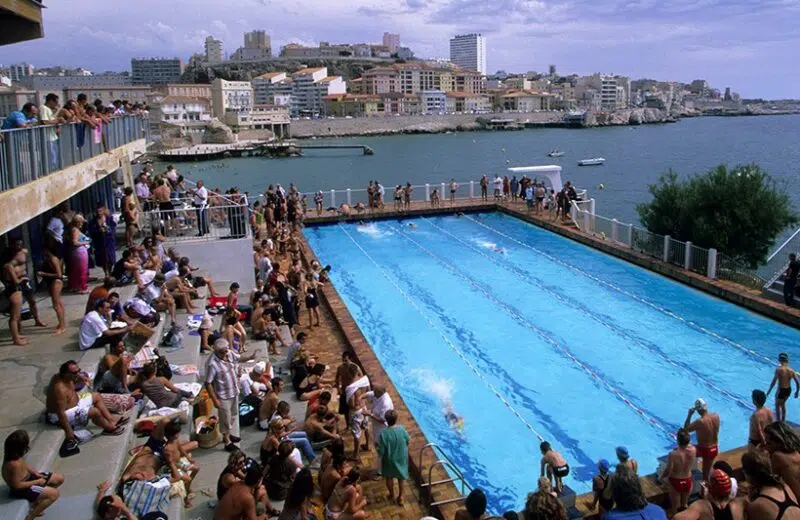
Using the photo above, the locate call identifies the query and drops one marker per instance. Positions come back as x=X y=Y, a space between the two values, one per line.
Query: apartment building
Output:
x=264 y=86
x=215 y=51
x=468 y=51
x=156 y=71
x=230 y=96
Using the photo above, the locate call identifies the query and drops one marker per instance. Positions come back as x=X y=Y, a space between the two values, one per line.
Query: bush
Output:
x=738 y=211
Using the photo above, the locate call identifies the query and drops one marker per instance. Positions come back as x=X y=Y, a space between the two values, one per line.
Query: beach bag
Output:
x=207 y=437
x=173 y=339
x=247 y=414
x=69 y=448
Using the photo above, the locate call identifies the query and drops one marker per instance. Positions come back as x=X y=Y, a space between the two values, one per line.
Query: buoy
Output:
x=601 y=186
x=503 y=149
x=508 y=162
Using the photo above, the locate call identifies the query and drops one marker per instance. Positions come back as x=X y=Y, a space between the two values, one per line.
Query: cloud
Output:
x=728 y=42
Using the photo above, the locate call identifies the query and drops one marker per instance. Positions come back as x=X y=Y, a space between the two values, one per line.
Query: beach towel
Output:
x=146 y=496
x=363 y=382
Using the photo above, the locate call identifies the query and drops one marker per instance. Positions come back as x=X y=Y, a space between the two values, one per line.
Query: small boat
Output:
x=555 y=153
x=596 y=161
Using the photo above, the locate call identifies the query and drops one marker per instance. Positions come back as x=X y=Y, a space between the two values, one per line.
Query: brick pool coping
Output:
x=748 y=298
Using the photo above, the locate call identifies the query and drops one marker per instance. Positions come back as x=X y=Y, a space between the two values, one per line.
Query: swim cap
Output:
x=622 y=450
x=700 y=404
x=719 y=484
x=604 y=465
x=783 y=356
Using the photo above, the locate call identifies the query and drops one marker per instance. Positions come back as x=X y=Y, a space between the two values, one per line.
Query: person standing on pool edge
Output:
x=707 y=428
x=554 y=465
x=679 y=472
x=784 y=375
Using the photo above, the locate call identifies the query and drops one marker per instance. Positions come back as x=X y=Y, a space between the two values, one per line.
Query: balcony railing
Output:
x=28 y=154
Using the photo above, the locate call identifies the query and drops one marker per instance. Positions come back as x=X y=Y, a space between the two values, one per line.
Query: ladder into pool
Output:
x=446 y=463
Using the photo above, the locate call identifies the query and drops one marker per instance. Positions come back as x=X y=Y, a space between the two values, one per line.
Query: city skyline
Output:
x=728 y=43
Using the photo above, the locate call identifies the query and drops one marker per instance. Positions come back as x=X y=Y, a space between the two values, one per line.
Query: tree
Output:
x=738 y=211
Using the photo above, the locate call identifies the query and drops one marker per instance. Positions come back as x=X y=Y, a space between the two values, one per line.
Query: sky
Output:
x=746 y=45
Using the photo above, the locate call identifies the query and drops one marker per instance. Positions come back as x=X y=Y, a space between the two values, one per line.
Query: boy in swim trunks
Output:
x=679 y=472
x=554 y=465
x=359 y=422
x=707 y=428
x=784 y=375
x=24 y=482
x=759 y=420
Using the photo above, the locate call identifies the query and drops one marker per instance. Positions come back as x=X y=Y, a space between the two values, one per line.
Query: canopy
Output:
x=552 y=172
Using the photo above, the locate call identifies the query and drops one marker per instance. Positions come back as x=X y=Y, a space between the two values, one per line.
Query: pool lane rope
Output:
x=546 y=336
x=650 y=304
x=566 y=301
x=444 y=336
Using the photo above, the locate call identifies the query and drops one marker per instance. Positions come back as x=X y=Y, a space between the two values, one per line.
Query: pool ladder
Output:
x=446 y=463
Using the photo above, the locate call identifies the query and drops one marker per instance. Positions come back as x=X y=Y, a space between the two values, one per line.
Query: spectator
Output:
x=200 y=199
x=783 y=444
x=347 y=501
x=98 y=293
x=24 y=118
x=716 y=501
x=52 y=275
x=18 y=288
x=24 y=482
x=130 y=215
x=112 y=507
x=629 y=500
x=393 y=450
x=223 y=388
x=298 y=501
x=160 y=390
x=334 y=471
x=601 y=487
x=543 y=506
x=770 y=497
x=624 y=458
x=94 y=332
x=77 y=255
x=103 y=232
x=239 y=501
x=281 y=471
x=48 y=115
x=474 y=506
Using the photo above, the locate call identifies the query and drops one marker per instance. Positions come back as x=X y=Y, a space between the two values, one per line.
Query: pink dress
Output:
x=78 y=266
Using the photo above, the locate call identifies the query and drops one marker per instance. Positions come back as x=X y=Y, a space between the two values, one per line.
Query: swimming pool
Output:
x=530 y=336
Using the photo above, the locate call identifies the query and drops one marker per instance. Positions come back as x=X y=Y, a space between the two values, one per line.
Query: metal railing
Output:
x=778 y=261
x=444 y=461
x=707 y=262
x=186 y=222
x=28 y=154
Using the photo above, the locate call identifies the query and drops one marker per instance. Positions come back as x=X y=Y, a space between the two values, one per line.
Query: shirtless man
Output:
x=269 y=405
x=553 y=465
x=161 y=194
x=239 y=502
x=759 y=420
x=130 y=214
x=784 y=375
x=18 y=286
x=707 y=428
x=65 y=410
x=679 y=472
x=321 y=426
x=345 y=375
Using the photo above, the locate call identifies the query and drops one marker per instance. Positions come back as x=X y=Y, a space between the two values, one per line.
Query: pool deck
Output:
x=349 y=332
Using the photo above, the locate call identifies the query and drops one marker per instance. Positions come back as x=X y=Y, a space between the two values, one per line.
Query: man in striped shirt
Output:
x=222 y=385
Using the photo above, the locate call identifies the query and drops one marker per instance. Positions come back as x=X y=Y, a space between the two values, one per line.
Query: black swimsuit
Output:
x=722 y=514
x=783 y=505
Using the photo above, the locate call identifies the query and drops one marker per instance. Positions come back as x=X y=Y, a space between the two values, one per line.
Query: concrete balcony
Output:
x=45 y=165
x=20 y=20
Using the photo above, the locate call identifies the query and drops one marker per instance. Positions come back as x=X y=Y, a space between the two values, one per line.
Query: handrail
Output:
x=785 y=243
x=446 y=462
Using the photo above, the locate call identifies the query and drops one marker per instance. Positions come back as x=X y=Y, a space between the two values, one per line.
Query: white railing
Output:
x=707 y=262
x=186 y=222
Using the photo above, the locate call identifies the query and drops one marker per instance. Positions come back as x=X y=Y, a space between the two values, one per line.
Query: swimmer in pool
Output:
x=411 y=225
x=456 y=421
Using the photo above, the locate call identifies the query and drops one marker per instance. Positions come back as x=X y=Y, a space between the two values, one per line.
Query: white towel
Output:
x=363 y=382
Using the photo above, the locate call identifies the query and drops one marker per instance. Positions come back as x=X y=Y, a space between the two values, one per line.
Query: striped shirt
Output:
x=222 y=374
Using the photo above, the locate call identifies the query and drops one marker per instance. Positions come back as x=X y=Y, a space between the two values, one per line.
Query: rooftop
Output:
x=308 y=70
x=269 y=75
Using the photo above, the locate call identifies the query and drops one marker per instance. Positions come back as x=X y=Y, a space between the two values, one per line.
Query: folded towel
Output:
x=363 y=382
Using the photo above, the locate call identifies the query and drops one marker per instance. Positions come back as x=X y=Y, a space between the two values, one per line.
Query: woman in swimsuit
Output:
x=50 y=272
x=346 y=501
x=770 y=498
x=233 y=335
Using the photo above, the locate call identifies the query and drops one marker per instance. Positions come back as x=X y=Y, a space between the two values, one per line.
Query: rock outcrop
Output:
x=217 y=133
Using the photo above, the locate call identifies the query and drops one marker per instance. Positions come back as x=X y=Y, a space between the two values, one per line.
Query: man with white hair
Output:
x=222 y=385
x=707 y=428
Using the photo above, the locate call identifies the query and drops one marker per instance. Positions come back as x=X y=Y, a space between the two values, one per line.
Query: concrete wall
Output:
x=22 y=203
x=230 y=260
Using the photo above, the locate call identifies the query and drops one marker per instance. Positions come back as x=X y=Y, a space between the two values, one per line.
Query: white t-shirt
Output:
x=246 y=385
x=498 y=183
x=172 y=175
x=56 y=228
x=201 y=196
x=92 y=327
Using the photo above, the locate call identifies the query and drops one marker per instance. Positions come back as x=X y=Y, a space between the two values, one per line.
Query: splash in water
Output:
x=372 y=230
x=442 y=389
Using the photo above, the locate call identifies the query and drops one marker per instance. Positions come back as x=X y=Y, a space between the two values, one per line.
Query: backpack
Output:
x=162 y=366
x=173 y=339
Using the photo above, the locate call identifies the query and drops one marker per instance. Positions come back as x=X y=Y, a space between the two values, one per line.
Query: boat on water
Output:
x=556 y=153
x=595 y=161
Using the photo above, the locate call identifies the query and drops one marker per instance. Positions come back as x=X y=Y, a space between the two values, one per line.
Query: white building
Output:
x=261 y=117
x=231 y=96
x=311 y=85
x=433 y=101
x=20 y=70
x=392 y=41
x=468 y=51
x=264 y=86
x=613 y=91
x=214 y=50
x=182 y=109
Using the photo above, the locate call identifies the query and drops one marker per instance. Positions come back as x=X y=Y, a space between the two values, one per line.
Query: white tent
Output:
x=552 y=172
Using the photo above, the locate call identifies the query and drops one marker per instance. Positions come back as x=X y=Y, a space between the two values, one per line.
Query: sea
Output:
x=635 y=158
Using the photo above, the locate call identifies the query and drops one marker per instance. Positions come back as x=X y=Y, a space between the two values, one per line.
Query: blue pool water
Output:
x=531 y=336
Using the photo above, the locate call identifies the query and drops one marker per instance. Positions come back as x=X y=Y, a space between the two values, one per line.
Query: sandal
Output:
x=123 y=421
x=116 y=431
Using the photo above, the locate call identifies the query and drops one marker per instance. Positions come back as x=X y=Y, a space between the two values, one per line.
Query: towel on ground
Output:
x=146 y=496
x=185 y=370
x=194 y=388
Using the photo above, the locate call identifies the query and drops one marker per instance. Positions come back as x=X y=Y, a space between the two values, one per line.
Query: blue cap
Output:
x=622 y=450
x=604 y=465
